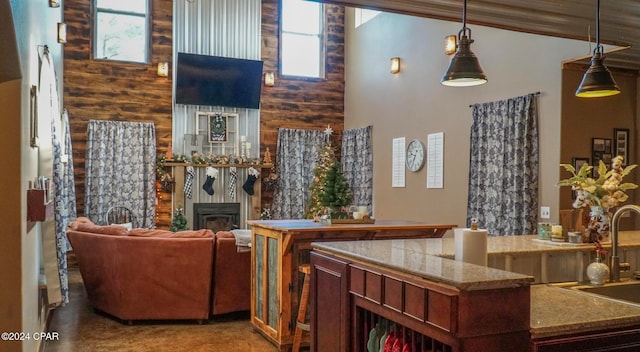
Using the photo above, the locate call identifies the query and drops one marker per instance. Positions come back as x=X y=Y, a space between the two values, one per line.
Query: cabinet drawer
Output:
x=356 y=286
x=373 y=287
x=393 y=294
x=366 y=283
x=416 y=299
x=441 y=310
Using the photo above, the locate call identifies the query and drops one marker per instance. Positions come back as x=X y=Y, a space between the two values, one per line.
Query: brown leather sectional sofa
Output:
x=154 y=274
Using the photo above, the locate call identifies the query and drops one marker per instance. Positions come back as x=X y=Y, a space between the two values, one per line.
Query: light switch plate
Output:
x=545 y=213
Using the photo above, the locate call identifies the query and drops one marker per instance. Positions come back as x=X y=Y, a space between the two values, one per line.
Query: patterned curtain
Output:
x=120 y=170
x=65 y=196
x=48 y=118
x=503 y=169
x=357 y=164
x=296 y=157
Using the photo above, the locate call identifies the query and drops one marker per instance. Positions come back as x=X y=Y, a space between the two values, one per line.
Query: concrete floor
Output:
x=81 y=329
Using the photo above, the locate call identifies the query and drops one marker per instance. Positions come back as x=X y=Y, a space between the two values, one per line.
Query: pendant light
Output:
x=464 y=69
x=597 y=81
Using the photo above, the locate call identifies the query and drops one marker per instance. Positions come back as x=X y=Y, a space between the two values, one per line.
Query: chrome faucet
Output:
x=616 y=266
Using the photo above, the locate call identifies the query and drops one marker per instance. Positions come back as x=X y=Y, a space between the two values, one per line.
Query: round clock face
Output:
x=415 y=155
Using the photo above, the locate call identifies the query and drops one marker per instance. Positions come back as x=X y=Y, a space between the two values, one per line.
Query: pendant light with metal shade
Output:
x=464 y=69
x=597 y=81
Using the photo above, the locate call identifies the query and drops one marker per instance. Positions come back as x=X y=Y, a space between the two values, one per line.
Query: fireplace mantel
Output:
x=254 y=202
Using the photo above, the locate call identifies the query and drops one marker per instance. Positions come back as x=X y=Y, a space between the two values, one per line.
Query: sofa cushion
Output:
x=225 y=234
x=113 y=230
x=84 y=219
x=169 y=234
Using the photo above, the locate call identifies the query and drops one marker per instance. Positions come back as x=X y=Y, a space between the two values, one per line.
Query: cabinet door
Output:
x=329 y=302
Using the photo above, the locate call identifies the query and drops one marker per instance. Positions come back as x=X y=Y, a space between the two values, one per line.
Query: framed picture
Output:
x=578 y=162
x=598 y=149
x=621 y=144
x=607 y=146
x=217 y=128
x=597 y=145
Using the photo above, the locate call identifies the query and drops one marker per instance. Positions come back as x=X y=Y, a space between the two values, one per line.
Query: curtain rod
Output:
x=535 y=93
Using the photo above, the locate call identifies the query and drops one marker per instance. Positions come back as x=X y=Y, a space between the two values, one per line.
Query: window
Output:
x=301 y=44
x=364 y=15
x=121 y=30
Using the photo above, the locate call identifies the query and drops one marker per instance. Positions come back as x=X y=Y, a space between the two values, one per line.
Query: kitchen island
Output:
x=280 y=246
x=453 y=306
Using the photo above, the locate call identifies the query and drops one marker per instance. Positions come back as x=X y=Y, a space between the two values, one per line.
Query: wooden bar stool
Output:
x=302 y=308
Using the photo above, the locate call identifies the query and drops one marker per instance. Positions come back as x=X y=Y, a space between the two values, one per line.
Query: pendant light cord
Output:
x=464 y=16
x=464 y=30
x=598 y=48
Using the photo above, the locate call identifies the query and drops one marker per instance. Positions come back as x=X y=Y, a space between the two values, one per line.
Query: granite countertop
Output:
x=528 y=244
x=559 y=311
x=555 y=310
x=411 y=257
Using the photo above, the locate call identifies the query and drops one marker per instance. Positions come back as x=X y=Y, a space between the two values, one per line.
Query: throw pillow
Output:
x=204 y=233
x=113 y=230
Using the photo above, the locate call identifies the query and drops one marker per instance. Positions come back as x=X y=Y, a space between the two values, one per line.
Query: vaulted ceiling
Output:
x=575 y=19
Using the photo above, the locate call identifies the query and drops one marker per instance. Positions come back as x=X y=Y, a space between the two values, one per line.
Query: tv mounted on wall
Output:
x=218 y=81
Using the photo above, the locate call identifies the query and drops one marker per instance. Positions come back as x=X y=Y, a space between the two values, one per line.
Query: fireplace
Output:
x=216 y=216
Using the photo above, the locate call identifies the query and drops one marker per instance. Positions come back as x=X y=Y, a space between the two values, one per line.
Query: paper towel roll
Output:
x=471 y=246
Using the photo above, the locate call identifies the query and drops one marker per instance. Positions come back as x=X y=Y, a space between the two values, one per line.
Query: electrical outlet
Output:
x=545 y=213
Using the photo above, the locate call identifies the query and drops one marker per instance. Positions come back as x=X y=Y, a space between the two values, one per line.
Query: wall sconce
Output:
x=395 y=64
x=54 y=3
x=62 y=33
x=269 y=79
x=163 y=69
x=450 y=44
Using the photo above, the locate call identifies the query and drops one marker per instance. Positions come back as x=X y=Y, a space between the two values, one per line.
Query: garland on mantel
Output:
x=166 y=180
x=211 y=159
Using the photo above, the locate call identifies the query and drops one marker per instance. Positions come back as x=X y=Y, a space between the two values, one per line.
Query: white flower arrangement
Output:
x=607 y=191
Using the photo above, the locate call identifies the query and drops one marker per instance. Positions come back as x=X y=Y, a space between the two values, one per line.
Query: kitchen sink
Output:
x=627 y=290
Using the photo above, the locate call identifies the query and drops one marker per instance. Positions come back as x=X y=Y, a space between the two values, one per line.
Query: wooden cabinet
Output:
x=280 y=246
x=350 y=298
x=329 y=304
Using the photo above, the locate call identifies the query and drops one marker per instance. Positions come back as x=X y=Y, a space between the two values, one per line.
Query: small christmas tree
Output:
x=179 y=222
x=335 y=192
x=326 y=158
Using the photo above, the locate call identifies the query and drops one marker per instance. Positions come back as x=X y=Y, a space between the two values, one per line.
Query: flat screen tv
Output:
x=218 y=81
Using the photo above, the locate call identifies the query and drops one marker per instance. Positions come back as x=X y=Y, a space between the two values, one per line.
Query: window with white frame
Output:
x=301 y=39
x=121 y=30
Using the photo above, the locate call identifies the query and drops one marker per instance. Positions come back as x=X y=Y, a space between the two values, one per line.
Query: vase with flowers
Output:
x=598 y=271
x=600 y=194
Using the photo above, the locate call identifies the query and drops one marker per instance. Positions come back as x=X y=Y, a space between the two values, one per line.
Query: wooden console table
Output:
x=280 y=246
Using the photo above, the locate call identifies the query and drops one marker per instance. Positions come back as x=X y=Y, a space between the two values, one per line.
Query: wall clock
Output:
x=415 y=155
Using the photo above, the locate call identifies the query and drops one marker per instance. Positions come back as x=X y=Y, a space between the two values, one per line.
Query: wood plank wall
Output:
x=295 y=103
x=108 y=90
x=104 y=90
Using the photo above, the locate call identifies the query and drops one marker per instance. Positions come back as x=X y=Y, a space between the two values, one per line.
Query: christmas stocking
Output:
x=212 y=174
x=188 y=183
x=233 y=180
x=251 y=180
